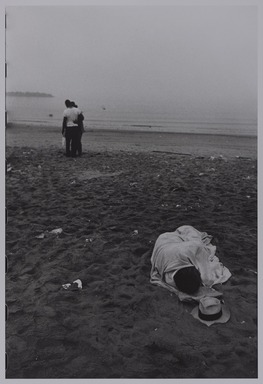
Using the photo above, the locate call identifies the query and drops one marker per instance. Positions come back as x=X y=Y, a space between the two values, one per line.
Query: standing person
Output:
x=70 y=129
x=81 y=129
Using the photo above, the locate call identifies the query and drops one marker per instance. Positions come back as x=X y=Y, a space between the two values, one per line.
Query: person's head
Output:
x=68 y=103
x=188 y=280
x=73 y=104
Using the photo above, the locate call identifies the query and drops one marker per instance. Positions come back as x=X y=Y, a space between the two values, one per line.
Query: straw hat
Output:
x=210 y=311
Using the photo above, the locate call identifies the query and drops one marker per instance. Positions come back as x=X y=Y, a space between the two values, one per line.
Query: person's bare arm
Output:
x=64 y=126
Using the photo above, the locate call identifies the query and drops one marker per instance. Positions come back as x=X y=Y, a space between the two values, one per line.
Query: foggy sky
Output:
x=199 y=60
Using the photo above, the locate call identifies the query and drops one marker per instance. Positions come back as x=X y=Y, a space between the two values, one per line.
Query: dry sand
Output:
x=112 y=204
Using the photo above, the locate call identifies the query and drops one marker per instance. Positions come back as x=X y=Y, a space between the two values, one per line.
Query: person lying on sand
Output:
x=184 y=262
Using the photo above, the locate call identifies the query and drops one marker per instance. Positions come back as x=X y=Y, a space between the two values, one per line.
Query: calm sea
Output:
x=48 y=111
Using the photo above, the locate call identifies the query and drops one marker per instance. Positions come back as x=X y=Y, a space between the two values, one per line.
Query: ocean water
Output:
x=48 y=111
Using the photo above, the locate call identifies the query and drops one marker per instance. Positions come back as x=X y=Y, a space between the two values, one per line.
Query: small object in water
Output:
x=50 y=115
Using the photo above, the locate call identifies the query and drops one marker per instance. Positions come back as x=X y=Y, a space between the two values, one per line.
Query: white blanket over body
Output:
x=187 y=247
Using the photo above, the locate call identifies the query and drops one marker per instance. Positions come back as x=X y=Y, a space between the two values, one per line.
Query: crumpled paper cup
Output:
x=75 y=286
x=57 y=231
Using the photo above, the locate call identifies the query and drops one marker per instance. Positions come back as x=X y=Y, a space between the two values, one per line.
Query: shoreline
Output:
x=196 y=144
x=46 y=124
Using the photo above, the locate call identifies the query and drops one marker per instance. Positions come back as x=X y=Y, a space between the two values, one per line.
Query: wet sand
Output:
x=182 y=143
x=112 y=204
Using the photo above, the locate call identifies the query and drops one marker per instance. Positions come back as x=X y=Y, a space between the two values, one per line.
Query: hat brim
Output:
x=223 y=319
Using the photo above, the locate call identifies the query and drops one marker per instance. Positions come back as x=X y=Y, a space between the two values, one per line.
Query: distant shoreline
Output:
x=29 y=94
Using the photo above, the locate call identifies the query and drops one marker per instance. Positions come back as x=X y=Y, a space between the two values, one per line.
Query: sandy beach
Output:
x=110 y=206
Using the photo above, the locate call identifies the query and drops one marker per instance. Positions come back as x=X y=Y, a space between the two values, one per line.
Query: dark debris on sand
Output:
x=112 y=206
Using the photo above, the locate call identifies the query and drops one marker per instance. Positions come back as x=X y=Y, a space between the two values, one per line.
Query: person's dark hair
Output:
x=68 y=103
x=188 y=280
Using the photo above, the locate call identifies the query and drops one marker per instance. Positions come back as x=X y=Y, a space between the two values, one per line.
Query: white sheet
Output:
x=186 y=246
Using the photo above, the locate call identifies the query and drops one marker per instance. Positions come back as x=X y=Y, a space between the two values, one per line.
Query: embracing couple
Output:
x=72 y=128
